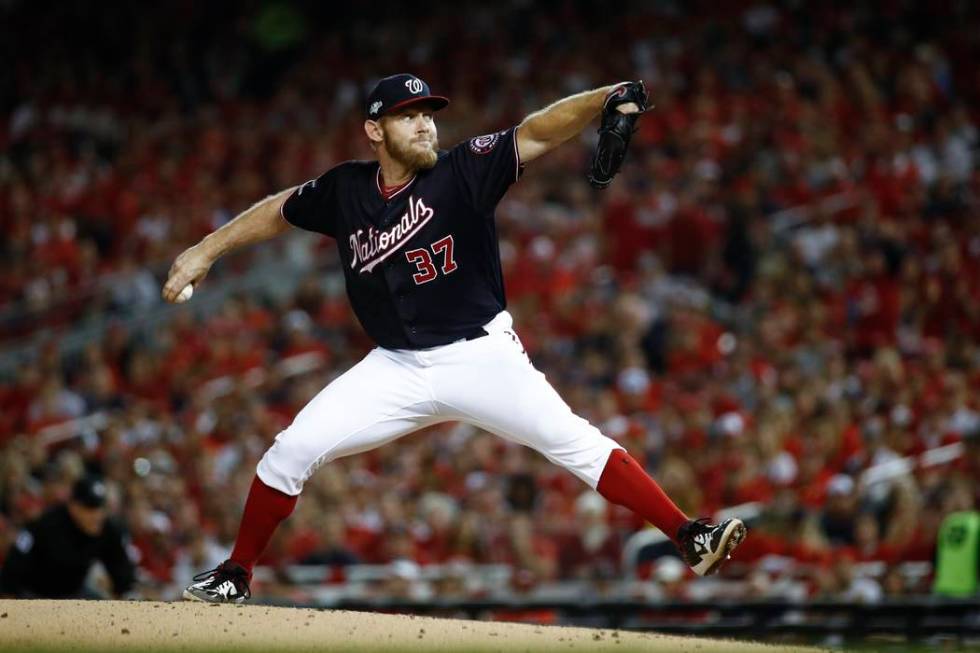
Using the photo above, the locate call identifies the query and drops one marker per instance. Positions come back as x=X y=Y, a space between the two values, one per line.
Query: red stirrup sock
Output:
x=264 y=509
x=624 y=482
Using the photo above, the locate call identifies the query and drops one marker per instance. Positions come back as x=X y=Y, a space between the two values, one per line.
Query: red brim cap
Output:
x=437 y=102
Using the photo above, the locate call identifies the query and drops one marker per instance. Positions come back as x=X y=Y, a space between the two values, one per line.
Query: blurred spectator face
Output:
x=825 y=582
x=521 y=530
x=866 y=531
x=959 y=497
x=840 y=495
x=440 y=517
x=89 y=520
x=875 y=262
x=333 y=531
x=844 y=570
x=408 y=136
x=398 y=544
x=893 y=583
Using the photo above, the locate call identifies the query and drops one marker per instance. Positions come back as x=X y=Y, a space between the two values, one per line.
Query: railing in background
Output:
x=795 y=217
x=892 y=469
x=332 y=584
x=914 y=618
x=871 y=479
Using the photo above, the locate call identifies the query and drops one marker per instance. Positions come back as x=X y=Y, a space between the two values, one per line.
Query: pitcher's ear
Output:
x=374 y=132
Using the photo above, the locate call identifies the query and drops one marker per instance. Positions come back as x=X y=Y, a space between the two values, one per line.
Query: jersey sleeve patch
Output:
x=484 y=144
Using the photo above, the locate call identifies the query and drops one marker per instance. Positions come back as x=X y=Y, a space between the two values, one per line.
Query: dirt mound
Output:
x=147 y=626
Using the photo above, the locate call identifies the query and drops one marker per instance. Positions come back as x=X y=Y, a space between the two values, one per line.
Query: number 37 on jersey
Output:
x=441 y=252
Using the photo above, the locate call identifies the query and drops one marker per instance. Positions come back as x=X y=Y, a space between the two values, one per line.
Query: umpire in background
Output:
x=52 y=556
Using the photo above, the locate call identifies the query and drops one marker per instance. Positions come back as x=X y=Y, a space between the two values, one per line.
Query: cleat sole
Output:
x=733 y=536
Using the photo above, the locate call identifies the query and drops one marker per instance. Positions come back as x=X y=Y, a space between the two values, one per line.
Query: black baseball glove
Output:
x=615 y=132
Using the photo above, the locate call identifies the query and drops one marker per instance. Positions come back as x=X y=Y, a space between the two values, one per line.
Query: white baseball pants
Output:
x=488 y=382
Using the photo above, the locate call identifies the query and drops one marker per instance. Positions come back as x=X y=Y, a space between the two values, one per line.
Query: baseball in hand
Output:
x=185 y=294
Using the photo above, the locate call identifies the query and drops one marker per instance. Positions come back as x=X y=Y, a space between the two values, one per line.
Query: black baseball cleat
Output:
x=706 y=546
x=226 y=583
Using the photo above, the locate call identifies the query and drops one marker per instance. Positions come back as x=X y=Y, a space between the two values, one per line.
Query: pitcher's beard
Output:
x=412 y=158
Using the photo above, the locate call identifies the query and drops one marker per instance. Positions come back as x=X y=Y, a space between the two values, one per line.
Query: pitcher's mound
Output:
x=146 y=626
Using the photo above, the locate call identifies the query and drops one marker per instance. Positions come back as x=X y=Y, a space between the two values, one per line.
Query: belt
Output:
x=479 y=334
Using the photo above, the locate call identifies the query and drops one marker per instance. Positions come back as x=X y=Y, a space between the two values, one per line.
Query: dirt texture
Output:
x=147 y=626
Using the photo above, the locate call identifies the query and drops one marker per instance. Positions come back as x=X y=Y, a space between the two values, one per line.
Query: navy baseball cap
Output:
x=89 y=491
x=399 y=91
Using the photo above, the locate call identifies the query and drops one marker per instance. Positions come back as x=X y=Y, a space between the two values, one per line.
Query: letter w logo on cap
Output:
x=413 y=85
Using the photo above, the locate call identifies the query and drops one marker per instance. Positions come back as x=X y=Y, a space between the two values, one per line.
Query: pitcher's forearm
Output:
x=565 y=118
x=261 y=222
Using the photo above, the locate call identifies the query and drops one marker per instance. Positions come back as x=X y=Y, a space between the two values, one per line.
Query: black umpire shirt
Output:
x=51 y=558
x=423 y=266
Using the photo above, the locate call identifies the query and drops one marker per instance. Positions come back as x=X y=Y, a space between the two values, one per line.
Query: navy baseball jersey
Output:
x=423 y=266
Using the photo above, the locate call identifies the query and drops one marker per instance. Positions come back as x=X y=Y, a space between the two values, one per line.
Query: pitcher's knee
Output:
x=580 y=448
x=588 y=462
x=288 y=463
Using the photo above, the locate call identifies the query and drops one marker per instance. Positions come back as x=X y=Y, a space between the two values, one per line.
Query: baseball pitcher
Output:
x=417 y=240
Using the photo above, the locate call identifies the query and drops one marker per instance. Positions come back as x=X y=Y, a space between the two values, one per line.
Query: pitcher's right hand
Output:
x=190 y=268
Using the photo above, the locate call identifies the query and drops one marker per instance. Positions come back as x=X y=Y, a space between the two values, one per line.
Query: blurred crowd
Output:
x=780 y=291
